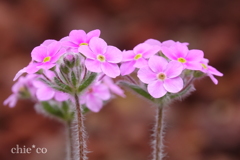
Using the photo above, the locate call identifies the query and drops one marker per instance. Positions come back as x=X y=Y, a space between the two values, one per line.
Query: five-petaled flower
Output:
x=101 y=57
x=210 y=71
x=190 y=59
x=137 y=58
x=78 y=38
x=161 y=76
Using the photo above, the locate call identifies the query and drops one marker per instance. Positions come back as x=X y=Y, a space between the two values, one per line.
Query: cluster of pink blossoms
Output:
x=83 y=64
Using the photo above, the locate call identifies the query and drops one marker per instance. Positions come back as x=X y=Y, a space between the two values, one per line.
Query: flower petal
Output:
x=110 y=69
x=69 y=44
x=213 y=71
x=141 y=48
x=61 y=96
x=127 y=68
x=19 y=73
x=180 y=50
x=173 y=85
x=93 y=65
x=57 y=56
x=94 y=103
x=157 y=63
x=174 y=69
x=78 y=36
x=194 y=65
x=141 y=62
x=44 y=94
x=168 y=43
x=87 y=52
x=93 y=33
x=146 y=75
x=128 y=55
x=48 y=42
x=215 y=81
x=113 y=54
x=11 y=100
x=195 y=55
x=169 y=52
x=39 y=53
x=53 y=48
x=98 y=45
x=32 y=68
x=113 y=87
x=156 y=89
x=102 y=92
x=153 y=42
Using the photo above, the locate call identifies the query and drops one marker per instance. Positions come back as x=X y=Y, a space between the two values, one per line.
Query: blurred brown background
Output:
x=204 y=126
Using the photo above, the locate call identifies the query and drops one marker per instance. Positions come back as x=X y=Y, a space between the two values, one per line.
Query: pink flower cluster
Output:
x=68 y=62
x=162 y=65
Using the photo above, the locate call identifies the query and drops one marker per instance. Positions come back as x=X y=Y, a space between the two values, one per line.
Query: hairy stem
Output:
x=70 y=148
x=81 y=131
x=158 y=135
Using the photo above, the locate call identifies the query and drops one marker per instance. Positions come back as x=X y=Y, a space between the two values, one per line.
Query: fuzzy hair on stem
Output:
x=158 y=134
x=78 y=127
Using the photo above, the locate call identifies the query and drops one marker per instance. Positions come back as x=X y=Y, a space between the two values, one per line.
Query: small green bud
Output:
x=198 y=74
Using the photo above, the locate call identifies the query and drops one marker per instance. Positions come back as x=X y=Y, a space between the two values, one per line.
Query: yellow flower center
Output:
x=182 y=60
x=46 y=59
x=101 y=58
x=204 y=66
x=138 y=56
x=81 y=44
x=161 y=76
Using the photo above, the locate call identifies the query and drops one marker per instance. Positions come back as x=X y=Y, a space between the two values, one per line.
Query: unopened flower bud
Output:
x=69 y=60
x=64 y=69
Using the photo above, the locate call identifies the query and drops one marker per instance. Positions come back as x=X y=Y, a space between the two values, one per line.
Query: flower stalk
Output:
x=158 y=134
x=81 y=131
x=70 y=149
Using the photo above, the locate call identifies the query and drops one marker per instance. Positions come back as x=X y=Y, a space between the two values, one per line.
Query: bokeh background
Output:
x=204 y=126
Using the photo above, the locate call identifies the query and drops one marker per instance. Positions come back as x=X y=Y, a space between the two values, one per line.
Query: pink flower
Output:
x=45 y=93
x=161 y=76
x=78 y=38
x=102 y=58
x=94 y=96
x=113 y=87
x=190 y=59
x=167 y=43
x=23 y=87
x=137 y=58
x=44 y=57
x=210 y=71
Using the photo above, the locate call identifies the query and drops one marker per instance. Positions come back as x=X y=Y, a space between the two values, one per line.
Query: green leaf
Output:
x=45 y=81
x=53 y=110
x=87 y=82
x=63 y=87
x=183 y=92
x=65 y=107
x=74 y=79
x=68 y=114
x=138 y=90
